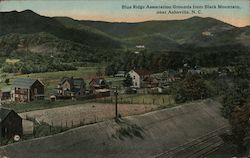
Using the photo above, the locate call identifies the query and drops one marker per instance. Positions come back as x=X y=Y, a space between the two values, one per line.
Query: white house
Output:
x=138 y=76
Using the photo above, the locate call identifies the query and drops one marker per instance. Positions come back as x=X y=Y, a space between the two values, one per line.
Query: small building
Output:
x=150 y=82
x=99 y=87
x=120 y=74
x=10 y=123
x=27 y=89
x=138 y=76
x=169 y=75
x=194 y=71
x=70 y=86
x=98 y=83
x=6 y=94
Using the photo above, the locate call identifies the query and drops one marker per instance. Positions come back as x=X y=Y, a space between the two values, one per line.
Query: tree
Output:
x=7 y=81
x=99 y=72
x=242 y=68
x=193 y=87
x=110 y=70
x=128 y=81
x=236 y=109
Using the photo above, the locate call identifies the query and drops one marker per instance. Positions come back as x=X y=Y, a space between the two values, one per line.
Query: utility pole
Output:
x=116 y=106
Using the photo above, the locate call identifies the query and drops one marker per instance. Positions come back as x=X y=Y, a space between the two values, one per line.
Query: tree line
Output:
x=158 y=61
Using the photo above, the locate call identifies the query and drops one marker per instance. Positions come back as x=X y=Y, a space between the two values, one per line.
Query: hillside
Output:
x=203 y=32
x=72 y=41
x=44 y=44
x=28 y=22
x=154 y=134
x=154 y=35
x=173 y=28
x=38 y=43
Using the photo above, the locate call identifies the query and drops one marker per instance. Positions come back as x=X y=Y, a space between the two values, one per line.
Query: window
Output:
x=35 y=90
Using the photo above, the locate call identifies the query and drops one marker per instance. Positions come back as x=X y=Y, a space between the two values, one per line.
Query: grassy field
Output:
x=141 y=99
x=39 y=105
x=51 y=79
x=70 y=116
x=122 y=99
x=84 y=72
x=12 y=61
x=150 y=99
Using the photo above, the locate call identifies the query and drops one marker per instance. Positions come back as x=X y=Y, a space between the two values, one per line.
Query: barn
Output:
x=27 y=89
x=10 y=123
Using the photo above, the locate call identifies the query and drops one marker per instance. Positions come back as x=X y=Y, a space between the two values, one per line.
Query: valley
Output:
x=122 y=86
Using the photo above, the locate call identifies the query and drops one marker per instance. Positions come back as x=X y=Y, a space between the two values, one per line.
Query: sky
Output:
x=111 y=10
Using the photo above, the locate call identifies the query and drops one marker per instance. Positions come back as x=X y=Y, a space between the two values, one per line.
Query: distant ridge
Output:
x=27 y=22
x=154 y=35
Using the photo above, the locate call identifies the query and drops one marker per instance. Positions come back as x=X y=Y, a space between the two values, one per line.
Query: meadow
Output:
x=51 y=79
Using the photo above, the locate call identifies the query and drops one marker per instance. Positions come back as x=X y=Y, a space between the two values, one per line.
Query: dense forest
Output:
x=158 y=61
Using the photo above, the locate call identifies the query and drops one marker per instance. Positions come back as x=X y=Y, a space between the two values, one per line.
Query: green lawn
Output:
x=84 y=72
x=40 y=105
x=50 y=79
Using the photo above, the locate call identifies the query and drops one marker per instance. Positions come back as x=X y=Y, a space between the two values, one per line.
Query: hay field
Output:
x=81 y=114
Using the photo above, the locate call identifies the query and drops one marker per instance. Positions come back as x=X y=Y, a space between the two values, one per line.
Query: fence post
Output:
x=143 y=100
x=52 y=125
x=72 y=123
x=61 y=126
x=163 y=101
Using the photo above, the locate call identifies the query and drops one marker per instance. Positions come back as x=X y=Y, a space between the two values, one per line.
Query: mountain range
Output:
x=27 y=30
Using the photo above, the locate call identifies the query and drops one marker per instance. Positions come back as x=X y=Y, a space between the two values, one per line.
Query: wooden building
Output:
x=71 y=87
x=98 y=83
x=27 y=89
x=150 y=82
x=138 y=77
x=99 y=87
x=10 y=123
x=6 y=93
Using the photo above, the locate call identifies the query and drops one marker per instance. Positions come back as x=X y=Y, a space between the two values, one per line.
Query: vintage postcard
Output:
x=124 y=78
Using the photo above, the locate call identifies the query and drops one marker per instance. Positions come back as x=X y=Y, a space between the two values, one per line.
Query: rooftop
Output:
x=4 y=113
x=23 y=82
x=142 y=72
